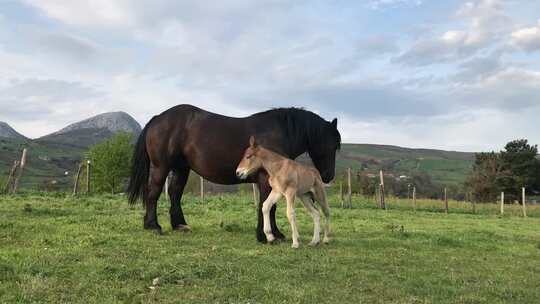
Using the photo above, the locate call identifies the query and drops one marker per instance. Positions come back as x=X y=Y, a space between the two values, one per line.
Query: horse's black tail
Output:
x=140 y=170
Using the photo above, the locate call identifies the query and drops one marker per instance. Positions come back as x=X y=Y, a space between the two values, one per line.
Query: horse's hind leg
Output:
x=155 y=185
x=177 y=183
x=308 y=203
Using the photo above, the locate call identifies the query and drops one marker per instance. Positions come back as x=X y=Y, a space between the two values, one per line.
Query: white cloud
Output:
x=379 y=4
x=527 y=39
x=87 y=13
x=486 y=25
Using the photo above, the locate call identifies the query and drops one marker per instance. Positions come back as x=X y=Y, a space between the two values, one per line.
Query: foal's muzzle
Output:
x=241 y=174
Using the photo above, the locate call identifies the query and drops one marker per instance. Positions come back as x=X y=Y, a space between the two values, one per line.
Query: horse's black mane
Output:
x=301 y=124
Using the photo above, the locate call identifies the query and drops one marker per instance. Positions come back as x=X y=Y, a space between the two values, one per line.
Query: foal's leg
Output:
x=292 y=218
x=320 y=197
x=264 y=191
x=266 y=207
x=176 y=189
x=308 y=203
x=155 y=186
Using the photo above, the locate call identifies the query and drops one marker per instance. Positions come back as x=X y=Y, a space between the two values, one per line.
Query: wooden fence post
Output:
x=202 y=189
x=76 y=185
x=255 y=195
x=473 y=202
x=21 y=169
x=88 y=175
x=524 y=202
x=9 y=182
x=382 y=204
x=414 y=197
x=502 y=203
x=349 y=189
x=445 y=201
x=341 y=194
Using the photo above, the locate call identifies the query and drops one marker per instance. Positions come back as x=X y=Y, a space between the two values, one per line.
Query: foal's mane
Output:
x=301 y=125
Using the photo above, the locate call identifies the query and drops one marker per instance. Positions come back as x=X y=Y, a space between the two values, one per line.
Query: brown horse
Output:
x=290 y=179
x=186 y=138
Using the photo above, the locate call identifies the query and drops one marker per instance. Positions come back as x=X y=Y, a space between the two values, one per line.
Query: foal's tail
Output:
x=140 y=170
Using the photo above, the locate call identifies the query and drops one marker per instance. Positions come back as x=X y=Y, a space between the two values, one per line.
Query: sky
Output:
x=455 y=75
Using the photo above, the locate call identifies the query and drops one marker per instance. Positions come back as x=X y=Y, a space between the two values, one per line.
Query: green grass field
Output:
x=57 y=249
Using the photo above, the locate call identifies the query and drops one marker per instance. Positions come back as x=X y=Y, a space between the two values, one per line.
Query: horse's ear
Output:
x=334 y=123
x=252 y=142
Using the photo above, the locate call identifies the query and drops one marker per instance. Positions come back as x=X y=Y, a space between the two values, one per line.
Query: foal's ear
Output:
x=334 y=123
x=252 y=142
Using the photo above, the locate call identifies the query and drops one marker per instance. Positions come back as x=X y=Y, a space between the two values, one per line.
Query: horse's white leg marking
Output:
x=292 y=218
x=306 y=199
x=272 y=198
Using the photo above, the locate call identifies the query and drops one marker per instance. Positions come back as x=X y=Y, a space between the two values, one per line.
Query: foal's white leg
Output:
x=273 y=197
x=292 y=219
x=308 y=203
x=320 y=197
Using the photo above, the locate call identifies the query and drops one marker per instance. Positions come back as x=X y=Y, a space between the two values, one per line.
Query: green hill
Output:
x=53 y=159
x=444 y=167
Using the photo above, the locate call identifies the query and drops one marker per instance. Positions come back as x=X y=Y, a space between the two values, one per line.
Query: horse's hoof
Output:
x=156 y=231
x=182 y=228
x=270 y=239
x=326 y=240
x=295 y=246
x=280 y=236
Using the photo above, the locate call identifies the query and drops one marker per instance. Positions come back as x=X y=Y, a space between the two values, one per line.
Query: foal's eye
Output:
x=249 y=156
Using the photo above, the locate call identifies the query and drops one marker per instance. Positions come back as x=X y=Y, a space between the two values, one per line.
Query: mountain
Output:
x=53 y=159
x=6 y=131
x=113 y=121
x=90 y=131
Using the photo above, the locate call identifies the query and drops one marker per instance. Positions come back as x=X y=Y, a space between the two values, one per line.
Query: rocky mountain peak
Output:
x=7 y=131
x=112 y=121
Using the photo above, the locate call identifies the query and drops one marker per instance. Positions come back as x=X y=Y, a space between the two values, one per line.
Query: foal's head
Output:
x=250 y=162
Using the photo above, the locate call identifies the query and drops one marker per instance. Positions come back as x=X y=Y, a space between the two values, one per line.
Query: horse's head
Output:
x=322 y=150
x=250 y=162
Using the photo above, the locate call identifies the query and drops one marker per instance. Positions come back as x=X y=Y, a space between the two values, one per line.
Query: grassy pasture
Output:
x=57 y=249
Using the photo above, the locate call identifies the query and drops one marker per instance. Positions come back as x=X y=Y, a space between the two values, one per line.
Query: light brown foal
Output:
x=290 y=179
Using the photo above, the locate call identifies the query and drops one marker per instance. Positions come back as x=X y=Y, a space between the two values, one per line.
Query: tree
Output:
x=515 y=167
x=111 y=162
x=486 y=177
x=519 y=159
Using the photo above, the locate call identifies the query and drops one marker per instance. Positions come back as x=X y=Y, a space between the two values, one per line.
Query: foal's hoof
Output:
x=182 y=228
x=314 y=243
x=295 y=246
x=326 y=240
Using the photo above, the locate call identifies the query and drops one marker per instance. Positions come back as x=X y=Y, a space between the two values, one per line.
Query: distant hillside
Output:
x=51 y=156
x=444 y=167
x=6 y=131
x=52 y=159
